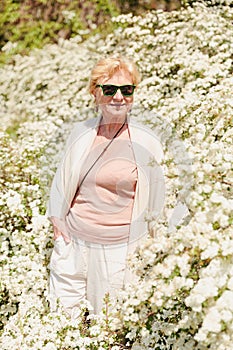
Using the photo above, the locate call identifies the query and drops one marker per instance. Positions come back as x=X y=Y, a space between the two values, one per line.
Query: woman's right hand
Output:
x=59 y=229
x=56 y=233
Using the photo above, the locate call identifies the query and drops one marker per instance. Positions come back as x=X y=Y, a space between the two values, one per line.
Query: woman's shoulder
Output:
x=84 y=125
x=147 y=138
x=81 y=128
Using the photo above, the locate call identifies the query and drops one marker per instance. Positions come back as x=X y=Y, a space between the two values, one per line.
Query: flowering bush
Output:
x=184 y=296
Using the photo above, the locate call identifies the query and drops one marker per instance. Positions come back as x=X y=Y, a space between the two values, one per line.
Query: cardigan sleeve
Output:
x=59 y=203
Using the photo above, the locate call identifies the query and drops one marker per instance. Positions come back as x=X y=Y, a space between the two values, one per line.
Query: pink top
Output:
x=102 y=210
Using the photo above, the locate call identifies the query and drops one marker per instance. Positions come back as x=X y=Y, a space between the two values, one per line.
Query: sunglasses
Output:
x=110 y=90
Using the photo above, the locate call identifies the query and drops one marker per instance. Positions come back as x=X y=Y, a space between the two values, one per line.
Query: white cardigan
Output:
x=150 y=190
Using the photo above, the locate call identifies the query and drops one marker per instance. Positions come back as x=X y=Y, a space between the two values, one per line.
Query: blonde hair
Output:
x=107 y=67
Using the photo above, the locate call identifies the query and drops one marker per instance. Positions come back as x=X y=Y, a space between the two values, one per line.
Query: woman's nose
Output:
x=118 y=95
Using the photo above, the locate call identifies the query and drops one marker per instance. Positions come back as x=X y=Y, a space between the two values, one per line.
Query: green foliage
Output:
x=32 y=24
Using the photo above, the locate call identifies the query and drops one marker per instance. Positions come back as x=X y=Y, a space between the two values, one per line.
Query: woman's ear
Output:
x=95 y=102
x=94 y=96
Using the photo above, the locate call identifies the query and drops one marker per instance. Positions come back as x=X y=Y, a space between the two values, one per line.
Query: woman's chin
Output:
x=115 y=110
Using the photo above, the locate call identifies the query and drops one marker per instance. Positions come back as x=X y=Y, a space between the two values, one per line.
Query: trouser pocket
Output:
x=61 y=251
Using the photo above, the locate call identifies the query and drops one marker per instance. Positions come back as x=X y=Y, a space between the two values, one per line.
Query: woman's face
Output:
x=117 y=106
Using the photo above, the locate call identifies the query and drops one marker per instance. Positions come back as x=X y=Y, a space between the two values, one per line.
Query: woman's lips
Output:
x=116 y=105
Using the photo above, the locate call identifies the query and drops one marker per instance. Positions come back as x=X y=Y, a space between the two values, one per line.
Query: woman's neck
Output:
x=110 y=128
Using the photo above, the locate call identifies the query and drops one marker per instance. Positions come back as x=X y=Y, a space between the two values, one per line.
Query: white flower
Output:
x=50 y=346
x=212 y=321
x=94 y=330
x=216 y=198
x=205 y=288
x=225 y=301
x=211 y=251
x=230 y=283
x=14 y=201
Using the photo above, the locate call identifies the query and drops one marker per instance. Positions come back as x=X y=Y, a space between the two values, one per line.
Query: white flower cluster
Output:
x=183 y=299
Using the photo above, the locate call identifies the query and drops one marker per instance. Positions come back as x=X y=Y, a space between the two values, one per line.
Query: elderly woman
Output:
x=108 y=182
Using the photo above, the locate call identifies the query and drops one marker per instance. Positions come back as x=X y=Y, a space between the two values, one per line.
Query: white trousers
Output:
x=86 y=271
